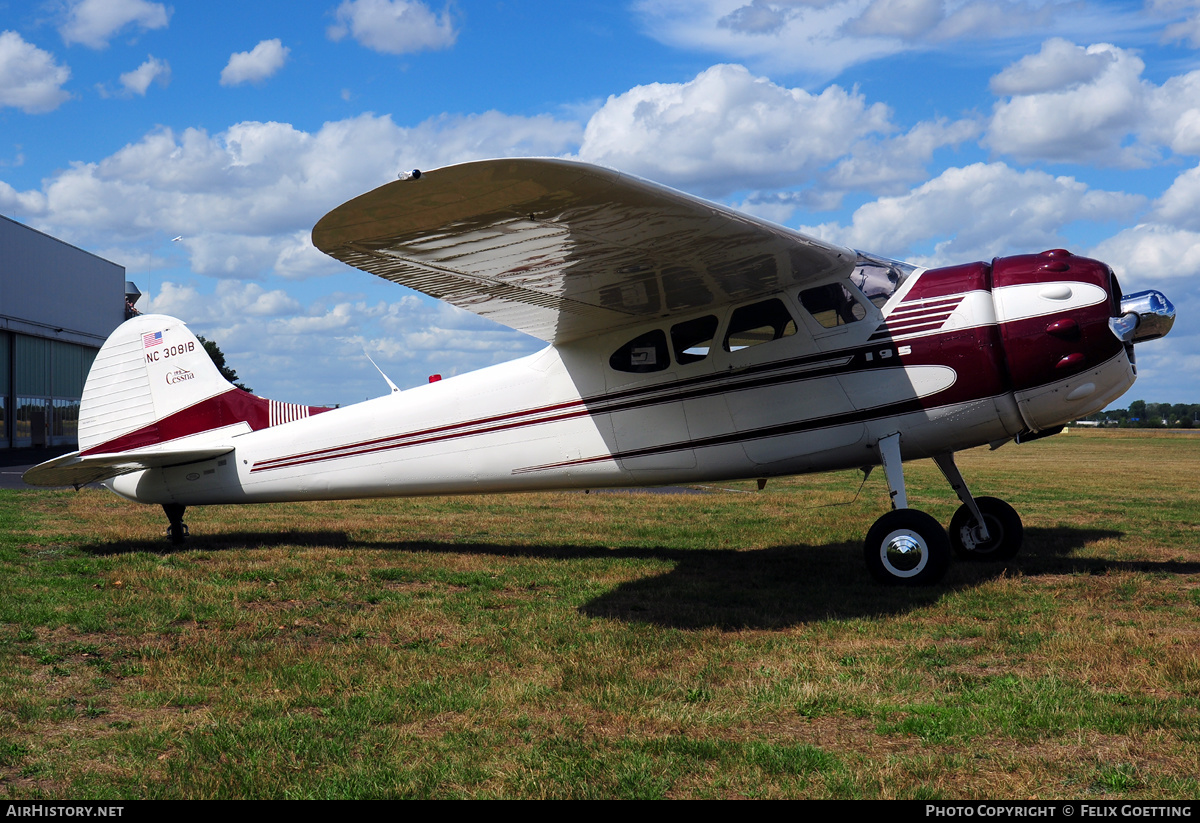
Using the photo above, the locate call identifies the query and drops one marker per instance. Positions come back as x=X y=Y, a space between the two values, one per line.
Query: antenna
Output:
x=395 y=388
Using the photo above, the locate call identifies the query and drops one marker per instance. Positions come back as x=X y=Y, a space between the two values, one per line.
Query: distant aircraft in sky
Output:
x=688 y=343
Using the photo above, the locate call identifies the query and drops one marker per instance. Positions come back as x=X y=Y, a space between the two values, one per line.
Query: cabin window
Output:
x=832 y=305
x=647 y=353
x=693 y=339
x=759 y=323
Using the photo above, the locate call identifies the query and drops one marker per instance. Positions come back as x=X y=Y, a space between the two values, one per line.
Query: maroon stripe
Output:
x=226 y=409
x=355 y=450
x=602 y=404
x=880 y=412
x=396 y=440
x=358 y=449
x=595 y=405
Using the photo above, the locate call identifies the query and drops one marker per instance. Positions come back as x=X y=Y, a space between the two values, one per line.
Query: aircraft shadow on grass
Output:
x=722 y=588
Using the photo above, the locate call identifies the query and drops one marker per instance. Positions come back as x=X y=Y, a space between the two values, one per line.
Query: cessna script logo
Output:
x=178 y=376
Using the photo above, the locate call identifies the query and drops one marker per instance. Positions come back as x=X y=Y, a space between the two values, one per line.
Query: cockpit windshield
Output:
x=878 y=277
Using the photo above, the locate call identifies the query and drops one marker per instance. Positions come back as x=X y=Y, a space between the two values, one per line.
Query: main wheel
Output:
x=1005 y=532
x=907 y=547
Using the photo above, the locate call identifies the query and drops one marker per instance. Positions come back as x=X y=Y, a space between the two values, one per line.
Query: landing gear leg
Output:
x=177 y=530
x=983 y=528
x=905 y=546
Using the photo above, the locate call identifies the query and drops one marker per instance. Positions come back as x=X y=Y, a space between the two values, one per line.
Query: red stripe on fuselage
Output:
x=226 y=409
x=963 y=349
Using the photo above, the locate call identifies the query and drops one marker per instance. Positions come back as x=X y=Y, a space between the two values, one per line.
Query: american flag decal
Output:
x=151 y=339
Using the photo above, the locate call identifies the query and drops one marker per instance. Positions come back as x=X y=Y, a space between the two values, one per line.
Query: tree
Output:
x=218 y=358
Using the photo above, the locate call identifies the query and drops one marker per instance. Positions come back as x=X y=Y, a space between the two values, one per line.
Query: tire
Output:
x=1005 y=532
x=907 y=547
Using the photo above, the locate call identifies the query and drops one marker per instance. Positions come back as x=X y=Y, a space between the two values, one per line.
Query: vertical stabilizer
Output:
x=153 y=386
x=150 y=368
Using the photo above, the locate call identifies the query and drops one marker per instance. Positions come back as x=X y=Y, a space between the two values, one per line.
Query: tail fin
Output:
x=154 y=397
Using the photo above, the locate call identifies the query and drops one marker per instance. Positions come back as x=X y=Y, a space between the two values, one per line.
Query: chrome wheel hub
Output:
x=904 y=553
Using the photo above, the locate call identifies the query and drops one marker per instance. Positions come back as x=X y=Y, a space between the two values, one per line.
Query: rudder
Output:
x=153 y=384
x=154 y=398
x=150 y=368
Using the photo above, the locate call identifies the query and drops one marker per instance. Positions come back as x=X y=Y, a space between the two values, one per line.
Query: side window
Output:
x=693 y=339
x=642 y=354
x=759 y=323
x=832 y=305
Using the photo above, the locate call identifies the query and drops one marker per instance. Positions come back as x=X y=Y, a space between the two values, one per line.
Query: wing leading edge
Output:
x=560 y=249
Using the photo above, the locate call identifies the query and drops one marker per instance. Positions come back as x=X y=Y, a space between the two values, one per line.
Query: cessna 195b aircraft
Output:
x=688 y=343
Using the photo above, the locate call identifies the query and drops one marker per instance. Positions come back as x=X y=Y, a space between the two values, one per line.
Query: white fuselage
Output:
x=562 y=418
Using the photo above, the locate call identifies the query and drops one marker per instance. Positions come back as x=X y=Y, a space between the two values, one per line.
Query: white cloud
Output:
x=230 y=300
x=23 y=203
x=239 y=257
x=906 y=19
x=824 y=37
x=1092 y=106
x=1167 y=245
x=256 y=65
x=1179 y=205
x=784 y=36
x=314 y=353
x=977 y=212
x=1173 y=114
x=1058 y=65
x=883 y=166
x=94 y=22
x=987 y=20
x=1151 y=253
x=1088 y=120
x=1187 y=29
x=30 y=78
x=757 y=17
x=394 y=26
x=880 y=165
x=727 y=130
x=245 y=199
x=298 y=259
x=153 y=70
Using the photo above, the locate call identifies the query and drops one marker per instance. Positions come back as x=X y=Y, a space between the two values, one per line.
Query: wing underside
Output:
x=560 y=249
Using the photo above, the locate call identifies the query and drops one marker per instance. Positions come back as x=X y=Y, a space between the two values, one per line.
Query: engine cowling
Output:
x=1062 y=342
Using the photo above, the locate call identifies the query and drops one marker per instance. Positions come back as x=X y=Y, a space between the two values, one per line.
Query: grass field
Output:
x=727 y=644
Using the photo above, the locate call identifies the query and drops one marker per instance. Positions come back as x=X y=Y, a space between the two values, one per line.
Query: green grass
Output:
x=612 y=645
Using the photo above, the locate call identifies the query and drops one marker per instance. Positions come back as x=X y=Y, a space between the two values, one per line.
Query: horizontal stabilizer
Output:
x=76 y=470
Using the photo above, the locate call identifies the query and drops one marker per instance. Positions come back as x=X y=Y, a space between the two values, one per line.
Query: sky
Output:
x=196 y=145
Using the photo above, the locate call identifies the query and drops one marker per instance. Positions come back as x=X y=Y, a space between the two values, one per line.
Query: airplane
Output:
x=688 y=343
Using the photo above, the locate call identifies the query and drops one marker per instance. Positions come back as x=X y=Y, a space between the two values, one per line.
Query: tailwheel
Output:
x=177 y=530
x=907 y=547
x=1004 y=529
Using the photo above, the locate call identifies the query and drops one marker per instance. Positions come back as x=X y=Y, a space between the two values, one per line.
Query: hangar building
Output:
x=58 y=304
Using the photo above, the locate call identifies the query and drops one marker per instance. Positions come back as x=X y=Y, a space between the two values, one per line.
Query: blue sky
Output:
x=934 y=131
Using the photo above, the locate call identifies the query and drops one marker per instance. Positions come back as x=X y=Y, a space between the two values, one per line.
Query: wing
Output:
x=560 y=249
